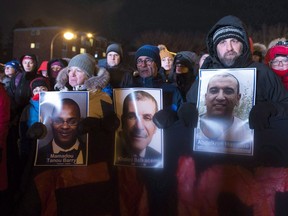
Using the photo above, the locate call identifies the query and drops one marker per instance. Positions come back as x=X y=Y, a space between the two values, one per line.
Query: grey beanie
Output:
x=115 y=48
x=85 y=62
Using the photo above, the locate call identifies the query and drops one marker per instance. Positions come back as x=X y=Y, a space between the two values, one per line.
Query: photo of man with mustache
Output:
x=138 y=130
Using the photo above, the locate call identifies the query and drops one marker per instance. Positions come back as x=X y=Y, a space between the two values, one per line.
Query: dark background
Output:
x=126 y=21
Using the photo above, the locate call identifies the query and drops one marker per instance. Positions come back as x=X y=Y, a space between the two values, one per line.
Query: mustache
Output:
x=231 y=53
x=139 y=133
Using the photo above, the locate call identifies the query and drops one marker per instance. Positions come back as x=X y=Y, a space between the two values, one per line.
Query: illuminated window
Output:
x=35 y=45
x=82 y=50
x=73 y=48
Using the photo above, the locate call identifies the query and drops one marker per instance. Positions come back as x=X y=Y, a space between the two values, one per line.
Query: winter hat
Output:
x=15 y=64
x=164 y=52
x=280 y=49
x=43 y=66
x=39 y=81
x=57 y=63
x=228 y=32
x=115 y=48
x=186 y=58
x=150 y=51
x=85 y=62
x=276 y=51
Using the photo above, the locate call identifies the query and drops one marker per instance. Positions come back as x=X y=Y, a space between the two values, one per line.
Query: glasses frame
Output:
x=284 y=62
x=60 y=121
x=147 y=61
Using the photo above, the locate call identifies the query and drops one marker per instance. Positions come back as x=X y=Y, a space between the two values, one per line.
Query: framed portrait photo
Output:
x=138 y=142
x=61 y=113
x=225 y=98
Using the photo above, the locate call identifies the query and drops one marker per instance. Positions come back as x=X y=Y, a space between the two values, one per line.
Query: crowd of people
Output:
x=189 y=183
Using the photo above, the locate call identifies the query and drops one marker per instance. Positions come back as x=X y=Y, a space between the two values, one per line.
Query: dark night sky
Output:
x=122 y=19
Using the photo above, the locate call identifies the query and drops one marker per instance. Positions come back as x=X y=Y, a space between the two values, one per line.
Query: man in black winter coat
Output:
x=229 y=47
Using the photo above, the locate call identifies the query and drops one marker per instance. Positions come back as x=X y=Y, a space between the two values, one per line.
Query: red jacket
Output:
x=4 y=123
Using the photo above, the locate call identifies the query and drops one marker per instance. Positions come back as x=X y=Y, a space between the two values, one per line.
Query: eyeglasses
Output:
x=147 y=61
x=285 y=43
x=70 y=122
x=277 y=62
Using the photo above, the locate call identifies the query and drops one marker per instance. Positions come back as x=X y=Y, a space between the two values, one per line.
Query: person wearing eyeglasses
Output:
x=66 y=148
x=277 y=59
x=160 y=182
x=148 y=63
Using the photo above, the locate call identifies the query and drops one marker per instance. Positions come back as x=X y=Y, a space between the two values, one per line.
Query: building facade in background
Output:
x=39 y=40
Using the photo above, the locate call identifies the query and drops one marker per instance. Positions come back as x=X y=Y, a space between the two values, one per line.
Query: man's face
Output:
x=228 y=50
x=76 y=76
x=146 y=67
x=113 y=59
x=221 y=97
x=138 y=125
x=64 y=126
x=28 y=65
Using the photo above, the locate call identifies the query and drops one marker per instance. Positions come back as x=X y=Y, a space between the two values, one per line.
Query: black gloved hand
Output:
x=37 y=131
x=260 y=114
x=165 y=118
x=188 y=113
x=109 y=122
x=88 y=125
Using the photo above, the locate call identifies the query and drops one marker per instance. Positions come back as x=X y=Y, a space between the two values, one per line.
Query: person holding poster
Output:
x=224 y=183
x=65 y=148
x=139 y=108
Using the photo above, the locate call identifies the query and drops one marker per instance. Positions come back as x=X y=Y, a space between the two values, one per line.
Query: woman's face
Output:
x=279 y=63
x=76 y=76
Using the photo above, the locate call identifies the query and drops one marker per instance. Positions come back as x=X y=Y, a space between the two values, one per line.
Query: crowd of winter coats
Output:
x=190 y=183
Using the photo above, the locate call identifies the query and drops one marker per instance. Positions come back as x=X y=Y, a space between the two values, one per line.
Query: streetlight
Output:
x=67 y=35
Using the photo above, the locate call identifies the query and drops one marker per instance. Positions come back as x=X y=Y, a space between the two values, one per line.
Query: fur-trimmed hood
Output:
x=93 y=83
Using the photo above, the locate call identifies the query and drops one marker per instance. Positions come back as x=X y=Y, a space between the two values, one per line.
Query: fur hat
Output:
x=228 y=32
x=260 y=48
x=39 y=81
x=275 y=41
x=115 y=48
x=85 y=62
x=186 y=58
x=150 y=51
